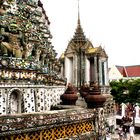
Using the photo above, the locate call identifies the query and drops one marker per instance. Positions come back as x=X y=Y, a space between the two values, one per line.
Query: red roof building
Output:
x=120 y=72
x=129 y=71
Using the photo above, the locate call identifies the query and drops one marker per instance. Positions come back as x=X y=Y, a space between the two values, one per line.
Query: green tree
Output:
x=124 y=91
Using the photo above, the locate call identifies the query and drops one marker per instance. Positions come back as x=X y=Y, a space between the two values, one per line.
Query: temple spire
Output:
x=78 y=14
x=79 y=36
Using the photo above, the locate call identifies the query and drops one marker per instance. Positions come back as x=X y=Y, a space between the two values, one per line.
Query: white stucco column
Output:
x=75 y=70
x=95 y=68
x=100 y=72
x=106 y=73
x=123 y=109
x=67 y=70
x=62 y=70
x=87 y=70
x=137 y=111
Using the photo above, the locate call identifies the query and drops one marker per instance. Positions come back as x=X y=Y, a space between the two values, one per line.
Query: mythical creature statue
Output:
x=12 y=47
x=14 y=43
x=27 y=51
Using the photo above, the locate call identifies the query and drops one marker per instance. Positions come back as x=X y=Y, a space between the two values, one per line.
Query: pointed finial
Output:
x=78 y=14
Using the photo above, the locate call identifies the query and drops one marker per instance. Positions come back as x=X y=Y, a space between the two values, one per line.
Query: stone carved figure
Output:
x=15 y=45
x=43 y=56
x=13 y=104
x=37 y=55
x=12 y=47
x=11 y=43
x=27 y=50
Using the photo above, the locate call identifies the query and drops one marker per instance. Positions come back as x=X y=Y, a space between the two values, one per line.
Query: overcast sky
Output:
x=113 y=24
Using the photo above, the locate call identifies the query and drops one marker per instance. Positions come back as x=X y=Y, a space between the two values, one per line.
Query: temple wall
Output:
x=29 y=98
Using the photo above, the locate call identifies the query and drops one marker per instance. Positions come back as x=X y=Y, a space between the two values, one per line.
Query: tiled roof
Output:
x=129 y=71
x=133 y=71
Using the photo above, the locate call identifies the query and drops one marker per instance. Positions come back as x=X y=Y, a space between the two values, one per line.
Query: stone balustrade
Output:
x=19 y=123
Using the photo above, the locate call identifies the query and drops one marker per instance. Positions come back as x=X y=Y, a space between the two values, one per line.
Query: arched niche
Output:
x=15 y=102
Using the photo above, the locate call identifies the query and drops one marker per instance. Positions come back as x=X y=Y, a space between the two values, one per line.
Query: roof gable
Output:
x=129 y=71
x=114 y=73
x=122 y=70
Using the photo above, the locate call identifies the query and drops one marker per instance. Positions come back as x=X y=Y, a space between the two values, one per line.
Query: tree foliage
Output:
x=126 y=91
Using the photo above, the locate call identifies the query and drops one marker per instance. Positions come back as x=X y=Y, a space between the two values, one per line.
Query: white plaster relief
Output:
x=48 y=98
x=2 y=102
x=27 y=101
x=40 y=100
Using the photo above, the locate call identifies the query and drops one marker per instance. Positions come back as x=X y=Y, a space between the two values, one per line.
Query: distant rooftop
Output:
x=129 y=71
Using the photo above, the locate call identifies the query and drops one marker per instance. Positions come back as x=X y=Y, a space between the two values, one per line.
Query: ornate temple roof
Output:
x=80 y=42
x=97 y=50
x=79 y=36
x=92 y=50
